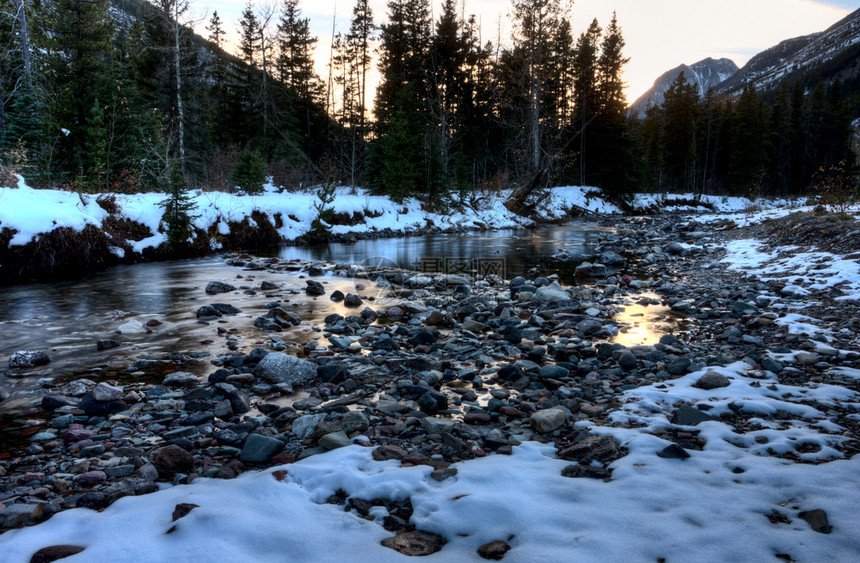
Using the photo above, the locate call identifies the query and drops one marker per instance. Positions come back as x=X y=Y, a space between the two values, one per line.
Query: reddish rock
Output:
x=90 y=479
x=171 y=460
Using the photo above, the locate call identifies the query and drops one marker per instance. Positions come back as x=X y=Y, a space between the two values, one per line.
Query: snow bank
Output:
x=31 y=212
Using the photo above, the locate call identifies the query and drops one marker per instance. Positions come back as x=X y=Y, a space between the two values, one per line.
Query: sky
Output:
x=660 y=34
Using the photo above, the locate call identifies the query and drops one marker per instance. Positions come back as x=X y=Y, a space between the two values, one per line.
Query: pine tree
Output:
x=295 y=61
x=218 y=74
x=586 y=74
x=681 y=112
x=81 y=40
x=610 y=155
x=178 y=208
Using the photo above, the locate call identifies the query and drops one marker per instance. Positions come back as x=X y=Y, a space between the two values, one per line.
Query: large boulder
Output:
x=277 y=367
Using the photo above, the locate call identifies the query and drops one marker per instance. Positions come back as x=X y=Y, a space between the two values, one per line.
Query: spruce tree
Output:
x=81 y=42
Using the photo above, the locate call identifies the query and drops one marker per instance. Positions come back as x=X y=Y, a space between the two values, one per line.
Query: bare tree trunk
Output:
x=25 y=38
x=180 y=114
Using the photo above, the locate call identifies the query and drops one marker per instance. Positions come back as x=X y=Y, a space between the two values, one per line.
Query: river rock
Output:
x=589 y=270
x=55 y=553
x=131 y=327
x=589 y=326
x=673 y=248
x=394 y=313
x=260 y=449
x=314 y=288
x=20 y=514
x=689 y=416
x=817 y=520
x=90 y=479
x=215 y=287
x=474 y=326
x=673 y=451
x=334 y=440
x=627 y=360
x=107 y=344
x=612 y=259
x=712 y=380
x=548 y=420
x=105 y=392
x=28 y=359
x=600 y=448
x=93 y=407
x=415 y=543
x=494 y=550
x=304 y=426
x=277 y=367
x=352 y=300
x=208 y=312
x=171 y=460
x=552 y=293
x=180 y=379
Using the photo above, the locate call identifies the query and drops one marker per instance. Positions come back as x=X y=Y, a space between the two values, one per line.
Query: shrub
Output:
x=837 y=187
x=250 y=172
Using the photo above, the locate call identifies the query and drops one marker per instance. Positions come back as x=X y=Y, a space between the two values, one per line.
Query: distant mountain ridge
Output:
x=828 y=55
x=705 y=74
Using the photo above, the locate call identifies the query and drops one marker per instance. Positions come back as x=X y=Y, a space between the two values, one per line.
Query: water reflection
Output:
x=514 y=251
x=644 y=321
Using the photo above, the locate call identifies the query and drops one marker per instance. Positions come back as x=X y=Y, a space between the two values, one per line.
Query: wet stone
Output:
x=215 y=287
x=28 y=359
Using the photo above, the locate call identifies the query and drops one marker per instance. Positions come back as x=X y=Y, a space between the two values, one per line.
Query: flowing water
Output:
x=67 y=319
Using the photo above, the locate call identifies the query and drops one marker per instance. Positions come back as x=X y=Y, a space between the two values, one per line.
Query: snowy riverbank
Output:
x=125 y=228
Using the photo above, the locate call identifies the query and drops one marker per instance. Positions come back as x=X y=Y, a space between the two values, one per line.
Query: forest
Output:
x=123 y=96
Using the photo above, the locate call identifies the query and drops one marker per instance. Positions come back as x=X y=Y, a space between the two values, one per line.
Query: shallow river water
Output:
x=67 y=319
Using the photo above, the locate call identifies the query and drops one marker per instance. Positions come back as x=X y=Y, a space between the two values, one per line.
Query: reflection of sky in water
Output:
x=645 y=324
x=518 y=250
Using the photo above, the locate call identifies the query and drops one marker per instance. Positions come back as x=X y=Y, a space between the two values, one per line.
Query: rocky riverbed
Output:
x=433 y=369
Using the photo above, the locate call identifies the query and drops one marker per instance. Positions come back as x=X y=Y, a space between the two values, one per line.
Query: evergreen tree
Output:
x=218 y=74
x=178 y=208
x=295 y=61
x=681 y=112
x=81 y=42
x=611 y=154
x=586 y=74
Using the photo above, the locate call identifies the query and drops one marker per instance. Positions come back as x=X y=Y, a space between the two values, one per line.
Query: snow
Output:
x=804 y=272
x=714 y=504
x=31 y=212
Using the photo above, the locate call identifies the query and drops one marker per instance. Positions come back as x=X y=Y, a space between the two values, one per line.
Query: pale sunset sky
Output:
x=660 y=34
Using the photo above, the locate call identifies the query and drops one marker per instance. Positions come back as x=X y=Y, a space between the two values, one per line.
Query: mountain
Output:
x=831 y=54
x=705 y=74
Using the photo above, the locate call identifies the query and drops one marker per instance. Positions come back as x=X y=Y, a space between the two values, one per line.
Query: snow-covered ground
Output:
x=30 y=211
x=732 y=501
